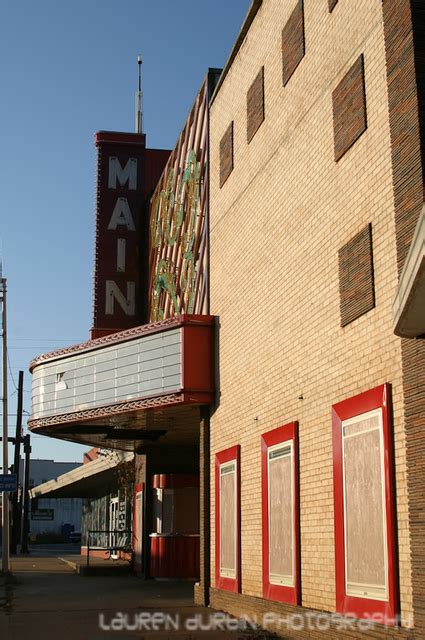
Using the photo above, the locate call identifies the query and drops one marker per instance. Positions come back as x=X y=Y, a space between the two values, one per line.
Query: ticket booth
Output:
x=174 y=541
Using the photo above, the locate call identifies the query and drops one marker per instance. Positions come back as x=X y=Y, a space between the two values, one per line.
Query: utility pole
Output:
x=25 y=527
x=15 y=509
x=5 y=502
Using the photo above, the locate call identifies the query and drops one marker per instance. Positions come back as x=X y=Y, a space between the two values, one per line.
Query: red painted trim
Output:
x=120 y=137
x=139 y=487
x=133 y=333
x=197 y=349
x=228 y=584
x=289 y=595
x=379 y=397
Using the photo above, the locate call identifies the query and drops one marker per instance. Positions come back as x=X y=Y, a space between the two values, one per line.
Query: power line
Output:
x=10 y=370
x=44 y=341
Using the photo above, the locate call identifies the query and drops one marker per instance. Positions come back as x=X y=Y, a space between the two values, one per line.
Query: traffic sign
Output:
x=8 y=482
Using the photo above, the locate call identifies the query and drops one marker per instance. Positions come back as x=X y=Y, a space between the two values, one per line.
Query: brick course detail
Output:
x=293 y=43
x=349 y=108
x=226 y=155
x=402 y=22
x=356 y=287
x=255 y=105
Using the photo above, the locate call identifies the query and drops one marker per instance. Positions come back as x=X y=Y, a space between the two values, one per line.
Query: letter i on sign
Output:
x=121 y=255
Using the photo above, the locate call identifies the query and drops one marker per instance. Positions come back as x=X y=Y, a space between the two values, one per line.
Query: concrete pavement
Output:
x=47 y=600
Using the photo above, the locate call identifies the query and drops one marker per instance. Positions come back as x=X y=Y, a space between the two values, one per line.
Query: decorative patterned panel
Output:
x=293 y=43
x=178 y=220
x=356 y=282
x=349 y=108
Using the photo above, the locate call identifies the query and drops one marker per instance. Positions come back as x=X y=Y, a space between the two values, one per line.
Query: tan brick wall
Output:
x=276 y=227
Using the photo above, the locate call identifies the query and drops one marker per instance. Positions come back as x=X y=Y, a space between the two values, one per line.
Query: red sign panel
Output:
x=126 y=174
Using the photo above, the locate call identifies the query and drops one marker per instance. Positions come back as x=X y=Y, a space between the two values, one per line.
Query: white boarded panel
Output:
x=281 y=506
x=138 y=368
x=364 y=512
x=228 y=531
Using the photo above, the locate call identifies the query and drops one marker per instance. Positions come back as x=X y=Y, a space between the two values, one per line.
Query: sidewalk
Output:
x=48 y=600
x=96 y=566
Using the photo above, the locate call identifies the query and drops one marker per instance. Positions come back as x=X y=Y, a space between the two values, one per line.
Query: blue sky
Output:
x=69 y=69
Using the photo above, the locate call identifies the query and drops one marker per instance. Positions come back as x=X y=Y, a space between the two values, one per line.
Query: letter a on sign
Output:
x=128 y=174
x=121 y=215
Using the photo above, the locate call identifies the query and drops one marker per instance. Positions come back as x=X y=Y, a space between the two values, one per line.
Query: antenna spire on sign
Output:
x=139 y=120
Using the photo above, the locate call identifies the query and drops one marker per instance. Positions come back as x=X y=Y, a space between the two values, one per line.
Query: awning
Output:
x=409 y=303
x=86 y=481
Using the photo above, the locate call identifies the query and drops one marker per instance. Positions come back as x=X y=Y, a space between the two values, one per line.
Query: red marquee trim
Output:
x=377 y=398
x=228 y=584
x=289 y=595
x=124 y=336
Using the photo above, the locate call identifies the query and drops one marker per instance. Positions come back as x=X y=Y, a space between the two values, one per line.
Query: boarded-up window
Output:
x=280 y=514
x=356 y=280
x=255 y=105
x=293 y=44
x=281 y=509
x=226 y=154
x=349 y=108
x=228 y=520
x=364 y=504
x=364 y=513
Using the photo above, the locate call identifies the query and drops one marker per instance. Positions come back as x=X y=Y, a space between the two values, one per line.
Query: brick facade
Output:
x=403 y=27
x=276 y=229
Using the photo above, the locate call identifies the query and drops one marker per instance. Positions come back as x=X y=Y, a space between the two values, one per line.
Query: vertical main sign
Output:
x=126 y=173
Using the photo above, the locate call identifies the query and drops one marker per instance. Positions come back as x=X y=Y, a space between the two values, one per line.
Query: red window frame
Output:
x=377 y=398
x=280 y=593
x=225 y=583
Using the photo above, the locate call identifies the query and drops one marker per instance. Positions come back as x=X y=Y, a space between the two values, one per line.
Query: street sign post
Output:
x=8 y=482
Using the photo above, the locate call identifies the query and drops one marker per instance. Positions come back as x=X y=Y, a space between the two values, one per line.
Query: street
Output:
x=46 y=599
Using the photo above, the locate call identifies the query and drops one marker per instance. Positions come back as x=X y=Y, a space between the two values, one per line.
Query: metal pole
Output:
x=16 y=463
x=25 y=500
x=5 y=503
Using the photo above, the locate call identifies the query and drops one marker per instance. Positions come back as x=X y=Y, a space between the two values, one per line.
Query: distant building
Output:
x=56 y=517
x=100 y=487
x=44 y=470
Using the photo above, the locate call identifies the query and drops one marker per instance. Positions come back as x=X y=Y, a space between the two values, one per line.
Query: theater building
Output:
x=264 y=350
x=316 y=257
x=145 y=379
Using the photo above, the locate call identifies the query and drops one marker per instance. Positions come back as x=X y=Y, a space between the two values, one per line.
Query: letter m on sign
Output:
x=128 y=174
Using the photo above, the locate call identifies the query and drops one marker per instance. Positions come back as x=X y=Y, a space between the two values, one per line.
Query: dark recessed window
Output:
x=349 y=108
x=255 y=105
x=356 y=283
x=293 y=43
x=226 y=154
